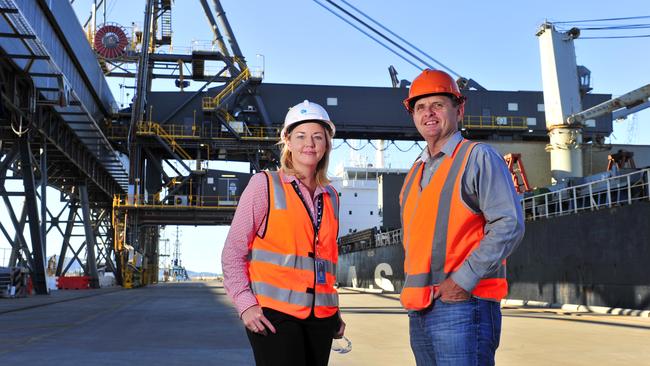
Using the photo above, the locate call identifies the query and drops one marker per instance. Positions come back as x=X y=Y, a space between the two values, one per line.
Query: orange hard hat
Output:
x=431 y=82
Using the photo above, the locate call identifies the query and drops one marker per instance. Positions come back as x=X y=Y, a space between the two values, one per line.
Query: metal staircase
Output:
x=165 y=138
x=214 y=103
x=166 y=25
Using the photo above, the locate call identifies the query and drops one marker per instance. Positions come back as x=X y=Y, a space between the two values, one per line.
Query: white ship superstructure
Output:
x=360 y=191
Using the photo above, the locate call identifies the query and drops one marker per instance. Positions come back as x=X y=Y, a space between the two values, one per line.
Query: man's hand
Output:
x=449 y=291
x=255 y=320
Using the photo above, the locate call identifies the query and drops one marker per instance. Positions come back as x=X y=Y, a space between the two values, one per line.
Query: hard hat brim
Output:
x=410 y=102
x=286 y=130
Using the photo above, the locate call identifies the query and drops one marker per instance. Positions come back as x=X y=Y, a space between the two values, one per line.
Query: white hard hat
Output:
x=304 y=112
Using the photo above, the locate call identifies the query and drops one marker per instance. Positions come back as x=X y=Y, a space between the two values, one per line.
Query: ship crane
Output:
x=563 y=84
x=620 y=107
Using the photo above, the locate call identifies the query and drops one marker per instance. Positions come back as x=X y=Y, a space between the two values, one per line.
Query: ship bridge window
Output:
x=540 y=107
x=513 y=107
x=332 y=101
x=590 y=123
x=531 y=121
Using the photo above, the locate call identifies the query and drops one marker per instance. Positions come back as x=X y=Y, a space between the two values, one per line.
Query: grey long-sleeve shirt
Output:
x=486 y=188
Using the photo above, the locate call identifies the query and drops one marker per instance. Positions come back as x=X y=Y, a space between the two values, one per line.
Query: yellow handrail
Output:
x=121 y=201
x=192 y=132
x=212 y=103
x=494 y=122
x=215 y=131
x=155 y=128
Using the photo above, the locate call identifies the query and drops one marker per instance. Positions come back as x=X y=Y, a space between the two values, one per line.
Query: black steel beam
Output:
x=91 y=264
x=69 y=144
x=43 y=196
x=156 y=162
x=38 y=271
x=19 y=238
x=171 y=152
x=27 y=57
x=66 y=141
x=44 y=75
x=183 y=216
x=66 y=238
x=15 y=35
x=191 y=98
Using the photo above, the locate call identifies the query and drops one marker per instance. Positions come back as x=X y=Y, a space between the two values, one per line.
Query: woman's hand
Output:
x=255 y=321
x=339 y=333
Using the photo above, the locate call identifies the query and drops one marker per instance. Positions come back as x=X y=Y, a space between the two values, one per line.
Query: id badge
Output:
x=320 y=272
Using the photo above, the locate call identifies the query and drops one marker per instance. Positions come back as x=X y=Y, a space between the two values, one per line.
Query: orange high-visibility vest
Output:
x=282 y=261
x=440 y=232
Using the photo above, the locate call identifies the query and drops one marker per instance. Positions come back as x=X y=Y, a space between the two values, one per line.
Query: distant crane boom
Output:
x=628 y=100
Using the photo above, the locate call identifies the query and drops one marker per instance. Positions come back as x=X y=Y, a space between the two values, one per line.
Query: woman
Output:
x=279 y=259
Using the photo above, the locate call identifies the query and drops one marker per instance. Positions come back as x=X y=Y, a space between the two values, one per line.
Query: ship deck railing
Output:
x=624 y=189
x=388 y=238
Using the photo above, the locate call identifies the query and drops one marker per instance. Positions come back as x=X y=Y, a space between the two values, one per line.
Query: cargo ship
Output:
x=585 y=242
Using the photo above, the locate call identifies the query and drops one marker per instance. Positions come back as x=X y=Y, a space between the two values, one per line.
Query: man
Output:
x=461 y=218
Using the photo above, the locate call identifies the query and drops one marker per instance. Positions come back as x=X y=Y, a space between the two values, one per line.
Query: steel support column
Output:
x=20 y=243
x=72 y=212
x=43 y=184
x=38 y=252
x=91 y=264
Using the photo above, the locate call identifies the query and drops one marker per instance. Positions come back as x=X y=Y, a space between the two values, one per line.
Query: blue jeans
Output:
x=458 y=334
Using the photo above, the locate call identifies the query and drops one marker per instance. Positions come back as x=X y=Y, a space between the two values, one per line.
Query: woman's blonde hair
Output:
x=286 y=161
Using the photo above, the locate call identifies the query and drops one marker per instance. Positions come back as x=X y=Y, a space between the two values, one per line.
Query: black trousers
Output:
x=296 y=342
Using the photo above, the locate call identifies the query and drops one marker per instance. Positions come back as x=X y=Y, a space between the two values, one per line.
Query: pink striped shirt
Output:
x=249 y=220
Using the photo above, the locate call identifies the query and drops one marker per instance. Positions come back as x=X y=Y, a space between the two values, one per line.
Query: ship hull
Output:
x=597 y=258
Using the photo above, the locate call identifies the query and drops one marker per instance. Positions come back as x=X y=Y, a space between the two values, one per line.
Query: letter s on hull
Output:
x=383 y=282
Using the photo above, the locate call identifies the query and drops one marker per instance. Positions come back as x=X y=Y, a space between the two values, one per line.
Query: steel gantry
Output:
x=164 y=186
x=53 y=106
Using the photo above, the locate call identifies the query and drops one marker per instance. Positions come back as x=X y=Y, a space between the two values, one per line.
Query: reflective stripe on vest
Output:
x=290 y=260
x=425 y=279
x=281 y=294
x=294 y=297
x=439 y=253
x=456 y=233
x=282 y=262
x=410 y=177
x=279 y=199
x=335 y=199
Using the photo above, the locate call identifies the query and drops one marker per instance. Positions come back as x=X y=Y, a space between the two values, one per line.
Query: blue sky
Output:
x=492 y=42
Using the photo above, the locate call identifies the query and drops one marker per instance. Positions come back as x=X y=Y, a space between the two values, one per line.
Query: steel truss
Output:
x=39 y=150
x=34 y=222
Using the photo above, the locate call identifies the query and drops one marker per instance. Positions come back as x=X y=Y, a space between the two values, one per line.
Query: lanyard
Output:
x=319 y=207
x=320 y=277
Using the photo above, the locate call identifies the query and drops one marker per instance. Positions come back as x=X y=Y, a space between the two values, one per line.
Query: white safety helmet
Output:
x=304 y=112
